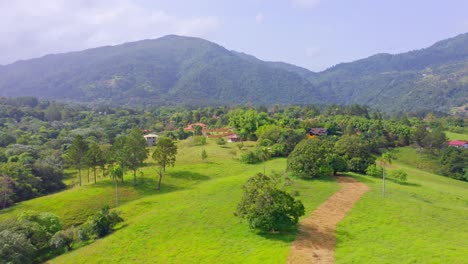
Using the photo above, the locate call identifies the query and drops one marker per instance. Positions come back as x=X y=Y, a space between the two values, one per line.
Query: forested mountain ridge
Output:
x=176 y=70
x=433 y=78
x=168 y=70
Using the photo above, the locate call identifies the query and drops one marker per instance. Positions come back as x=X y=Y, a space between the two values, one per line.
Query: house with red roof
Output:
x=458 y=143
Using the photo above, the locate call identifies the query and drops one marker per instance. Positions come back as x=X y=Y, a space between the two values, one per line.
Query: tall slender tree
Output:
x=94 y=158
x=76 y=154
x=164 y=155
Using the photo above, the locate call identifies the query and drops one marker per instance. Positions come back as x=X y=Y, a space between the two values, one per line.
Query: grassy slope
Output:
x=421 y=222
x=456 y=136
x=191 y=221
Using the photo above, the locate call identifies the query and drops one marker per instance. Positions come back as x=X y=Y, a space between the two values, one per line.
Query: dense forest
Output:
x=175 y=70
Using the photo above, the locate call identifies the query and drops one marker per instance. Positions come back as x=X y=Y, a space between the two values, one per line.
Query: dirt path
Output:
x=316 y=240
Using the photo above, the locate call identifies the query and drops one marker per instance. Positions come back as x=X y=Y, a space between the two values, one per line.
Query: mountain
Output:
x=434 y=78
x=168 y=70
x=175 y=70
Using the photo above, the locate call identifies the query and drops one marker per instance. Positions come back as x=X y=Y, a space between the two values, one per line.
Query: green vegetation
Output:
x=192 y=217
x=180 y=70
x=267 y=206
x=419 y=221
x=456 y=136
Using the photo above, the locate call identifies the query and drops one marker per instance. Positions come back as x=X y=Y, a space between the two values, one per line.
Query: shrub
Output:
x=278 y=150
x=64 y=239
x=265 y=142
x=220 y=141
x=198 y=140
x=399 y=175
x=103 y=222
x=374 y=171
x=250 y=157
x=266 y=207
x=204 y=155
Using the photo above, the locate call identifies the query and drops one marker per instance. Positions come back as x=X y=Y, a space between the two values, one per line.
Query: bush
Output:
x=204 y=155
x=278 y=150
x=265 y=142
x=374 y=171
x=64 y=239
x=220 y=141
x=266 y=207
x=198 y=140
x=399 y=175
x=103 y=222
x=250 y=157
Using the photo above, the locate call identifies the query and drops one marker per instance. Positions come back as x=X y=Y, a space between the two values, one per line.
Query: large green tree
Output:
x=130 y=151
x=165 y=155
x=310 y=158
x=266 y=207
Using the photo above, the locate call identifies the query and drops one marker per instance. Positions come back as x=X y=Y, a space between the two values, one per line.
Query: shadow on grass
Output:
x=284 y=236
x=189 y=175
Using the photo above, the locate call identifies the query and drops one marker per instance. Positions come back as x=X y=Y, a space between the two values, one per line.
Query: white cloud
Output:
x=305 y=3
x=312 y=51
x=34 y=28
x=259 y=18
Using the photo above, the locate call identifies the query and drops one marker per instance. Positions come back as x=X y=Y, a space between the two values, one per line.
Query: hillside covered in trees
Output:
x=176 y=70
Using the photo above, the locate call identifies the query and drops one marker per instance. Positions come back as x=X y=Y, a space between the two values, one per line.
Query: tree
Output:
x=116 y=173
x=6 y=191
x=131 y=151
x=264 y=154
x=165 y=155
x=309 y=159
x=266 y=207
x=385 y=159
x=356 y=151
x=76 y=153
x=104 y=221
x=204 y=155
x=94 y=158
x=400 y=176
x=338 y=163
x=16 y=248
x=64 y=238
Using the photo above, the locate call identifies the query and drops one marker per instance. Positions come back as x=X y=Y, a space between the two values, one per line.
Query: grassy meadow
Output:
x=190 y=221
x=457 y=136
x=422 y=221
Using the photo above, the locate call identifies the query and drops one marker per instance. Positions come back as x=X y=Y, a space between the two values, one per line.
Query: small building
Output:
x=233 y=138
x=151 y=139
x=318 y=131
x=458 y=143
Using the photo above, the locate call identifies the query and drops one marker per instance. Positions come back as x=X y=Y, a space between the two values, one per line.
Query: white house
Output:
x=151 y=139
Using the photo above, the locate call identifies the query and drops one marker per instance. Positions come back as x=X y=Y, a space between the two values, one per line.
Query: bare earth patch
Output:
x=316 y=240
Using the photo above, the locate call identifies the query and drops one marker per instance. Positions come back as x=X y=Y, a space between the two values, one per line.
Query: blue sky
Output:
x=315 y=34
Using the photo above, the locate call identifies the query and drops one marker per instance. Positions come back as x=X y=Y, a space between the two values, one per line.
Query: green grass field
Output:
x=190 y=221
x=456 y=136
x=424 y=221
